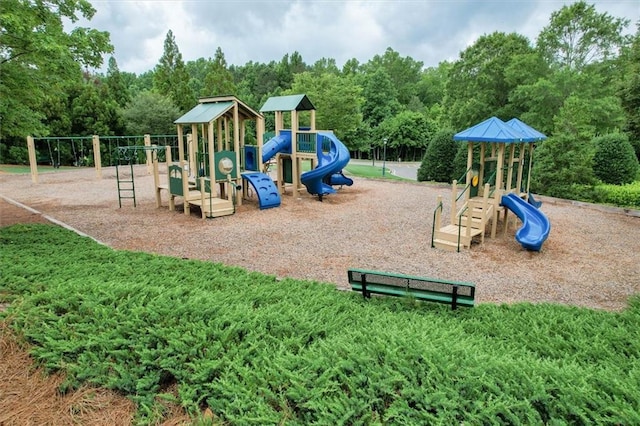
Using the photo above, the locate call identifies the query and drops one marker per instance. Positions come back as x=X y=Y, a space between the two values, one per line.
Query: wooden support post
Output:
x=149 y=154
x=531 y=147
x=33 y=162
x=172 y=198
x=521 y=152
x=512 y=152
x=469 y=171
x=193 y=149
x=481 y=171
x=180 y=144
x=97 y=158
x=156 y=176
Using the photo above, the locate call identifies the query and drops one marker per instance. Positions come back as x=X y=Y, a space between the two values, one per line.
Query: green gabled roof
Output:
x=287 y=103
x=204 y=113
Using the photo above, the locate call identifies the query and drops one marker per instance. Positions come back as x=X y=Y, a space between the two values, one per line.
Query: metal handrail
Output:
x=464 y=174
x=433 y=227
x=463 y=191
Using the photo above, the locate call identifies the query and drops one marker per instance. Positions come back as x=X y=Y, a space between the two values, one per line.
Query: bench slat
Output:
x=430 y=289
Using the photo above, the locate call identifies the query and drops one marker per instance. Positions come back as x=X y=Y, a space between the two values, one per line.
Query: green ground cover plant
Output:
x=257 y=350
x=362 y=170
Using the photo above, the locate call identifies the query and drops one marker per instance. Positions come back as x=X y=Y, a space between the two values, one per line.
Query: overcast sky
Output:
x=430 y=31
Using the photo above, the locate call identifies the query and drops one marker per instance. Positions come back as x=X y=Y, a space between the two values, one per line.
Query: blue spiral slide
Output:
x=329 y=171
x=535 y=224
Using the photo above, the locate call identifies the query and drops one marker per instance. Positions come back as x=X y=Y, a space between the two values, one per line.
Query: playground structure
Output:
x=494 y=184
x=207 y=173
x=326 y=155
x=222 y=164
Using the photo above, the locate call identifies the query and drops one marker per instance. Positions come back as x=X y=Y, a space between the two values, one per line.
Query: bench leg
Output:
x=454 y=298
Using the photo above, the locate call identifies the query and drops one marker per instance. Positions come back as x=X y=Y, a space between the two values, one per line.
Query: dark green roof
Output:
x=287 y=103
x=205 y=113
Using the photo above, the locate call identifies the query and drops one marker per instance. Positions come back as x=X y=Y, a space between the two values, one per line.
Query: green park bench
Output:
x=428 y=289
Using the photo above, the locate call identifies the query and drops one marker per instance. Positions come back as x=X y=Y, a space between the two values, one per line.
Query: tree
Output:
x=404 y=73
x=577 y=35
x=480 y=85
x=116 y=85
x=437 y=163
x=150 y=113
x=219 y=80
x=630 y=92
x=92 y=110
x=380 y=98
x=566 y=159
x=407 y=134
x=431 y=87
x=614 y=160
x=170 y=76
x=337 y=100
x=36 y=54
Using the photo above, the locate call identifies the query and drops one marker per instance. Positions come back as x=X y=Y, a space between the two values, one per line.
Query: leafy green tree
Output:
x=288 y=66
x=219 y=80
x=337 y=100
x=577 y=35
x=116 y=84
x=630 y=92
x=36 y=54
x=150 y=113
x=615 y=160
x=351 y=67
x=431 y=87
x=171 y=78
x=325 y=65
x=380 y=98
x=437 y=163
x=479 y=84
x=197 y=71
x=404 y=72
x=407 y=134
x=566 y=159
x=93 y=110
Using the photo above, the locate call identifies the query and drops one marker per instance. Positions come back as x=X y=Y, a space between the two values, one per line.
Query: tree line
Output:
x=578 y=80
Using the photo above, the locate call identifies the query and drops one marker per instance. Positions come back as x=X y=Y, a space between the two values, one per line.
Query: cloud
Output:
x=429 y=31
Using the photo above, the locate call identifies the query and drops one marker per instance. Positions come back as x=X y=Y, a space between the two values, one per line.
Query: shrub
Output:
x=437 y=163
x=614 y=161
x=560 y=162
x=620 y=195
x=18 y=155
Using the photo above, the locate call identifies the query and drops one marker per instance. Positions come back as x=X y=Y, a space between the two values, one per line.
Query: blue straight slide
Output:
x=268 y=195
x=535 y=225
x=280 y=143
x=328 y=165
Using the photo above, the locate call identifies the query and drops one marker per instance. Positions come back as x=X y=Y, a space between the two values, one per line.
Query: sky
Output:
x=430 y=31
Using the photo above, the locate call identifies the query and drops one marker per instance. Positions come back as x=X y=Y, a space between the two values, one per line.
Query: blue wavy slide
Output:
x=318 y=181
x=535 y=224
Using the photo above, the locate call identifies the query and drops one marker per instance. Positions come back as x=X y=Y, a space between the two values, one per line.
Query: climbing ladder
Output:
x=465 y=223
x=126 y=158
x=125 y=178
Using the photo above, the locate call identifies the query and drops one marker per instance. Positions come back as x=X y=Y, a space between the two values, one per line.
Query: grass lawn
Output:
x=257 y=350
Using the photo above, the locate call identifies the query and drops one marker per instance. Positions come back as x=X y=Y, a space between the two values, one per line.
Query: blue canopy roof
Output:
x=491 y=130
x=531 y=133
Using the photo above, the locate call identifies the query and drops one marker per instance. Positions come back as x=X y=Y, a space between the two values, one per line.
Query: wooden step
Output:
x=214 y=207
x=446 y=245
x=453 y=230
